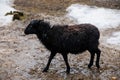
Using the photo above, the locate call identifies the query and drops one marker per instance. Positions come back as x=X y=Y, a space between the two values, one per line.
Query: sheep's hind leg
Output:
x=66 y=62
x=49 y=61
x=98 y=58
x=91 y=59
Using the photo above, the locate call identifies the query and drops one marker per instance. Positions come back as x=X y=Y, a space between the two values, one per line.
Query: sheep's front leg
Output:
x=66 y=62
x=49 y=61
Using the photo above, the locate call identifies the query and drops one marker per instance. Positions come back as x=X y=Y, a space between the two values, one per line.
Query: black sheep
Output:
x=67 y=39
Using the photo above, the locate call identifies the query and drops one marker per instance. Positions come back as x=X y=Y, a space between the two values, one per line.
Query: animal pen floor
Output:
x=24 y=57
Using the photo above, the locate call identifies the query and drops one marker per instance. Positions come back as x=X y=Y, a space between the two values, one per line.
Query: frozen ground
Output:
x=24 y=57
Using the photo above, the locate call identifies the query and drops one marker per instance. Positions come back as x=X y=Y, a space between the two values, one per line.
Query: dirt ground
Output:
x=24 y=57
x=58 y=7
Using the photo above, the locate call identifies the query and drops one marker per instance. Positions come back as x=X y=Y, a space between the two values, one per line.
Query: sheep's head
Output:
x=37 y=27
x=32 y=27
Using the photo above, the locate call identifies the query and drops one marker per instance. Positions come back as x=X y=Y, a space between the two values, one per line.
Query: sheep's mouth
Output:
x=26 y=33
x=32 y=31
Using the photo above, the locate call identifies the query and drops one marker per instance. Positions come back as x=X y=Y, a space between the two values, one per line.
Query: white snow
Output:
x=115 y=39
x=101 y=17
x=5 y=6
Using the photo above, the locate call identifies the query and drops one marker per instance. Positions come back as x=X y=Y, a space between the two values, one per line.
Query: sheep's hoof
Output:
x=98 y=66
x=45 y=70
x=68 y=71
x=89 y=66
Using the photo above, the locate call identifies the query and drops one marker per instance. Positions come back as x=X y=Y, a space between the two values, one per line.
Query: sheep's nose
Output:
x=26 y=32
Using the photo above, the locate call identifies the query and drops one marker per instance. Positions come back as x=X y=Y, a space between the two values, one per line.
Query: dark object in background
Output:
x=18 y=12
x=67 y=39
x=16 y=15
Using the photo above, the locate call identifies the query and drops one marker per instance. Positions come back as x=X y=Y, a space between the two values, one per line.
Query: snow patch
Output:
x=101 y=17
x=5 y=6
x=115 y=39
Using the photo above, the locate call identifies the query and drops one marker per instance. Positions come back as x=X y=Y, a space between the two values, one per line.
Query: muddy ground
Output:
x=24 y=57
